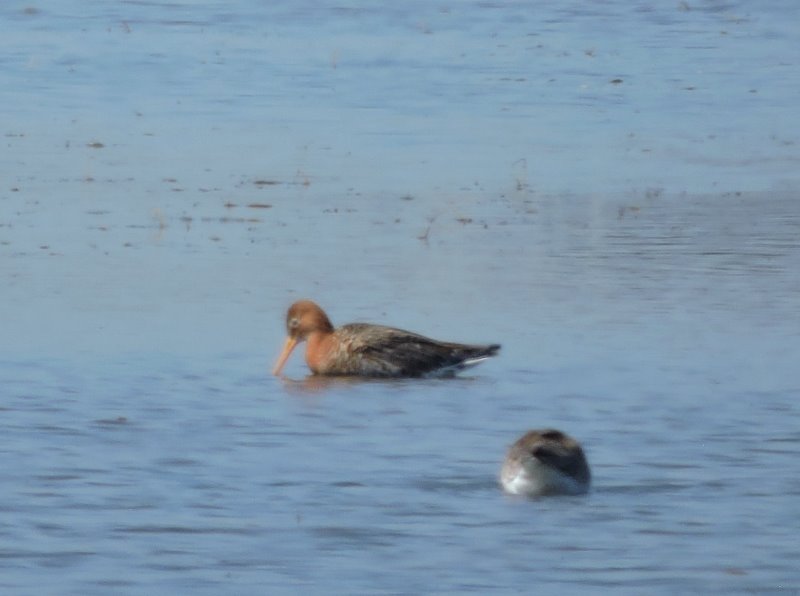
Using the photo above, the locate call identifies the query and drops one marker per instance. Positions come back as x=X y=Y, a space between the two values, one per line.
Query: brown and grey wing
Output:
x=387 y=351
x=571 y=462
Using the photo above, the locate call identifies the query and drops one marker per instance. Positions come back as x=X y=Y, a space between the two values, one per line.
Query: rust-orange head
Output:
x=303 y=318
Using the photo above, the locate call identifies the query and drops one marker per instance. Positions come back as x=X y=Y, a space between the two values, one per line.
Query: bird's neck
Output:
x=318 y=350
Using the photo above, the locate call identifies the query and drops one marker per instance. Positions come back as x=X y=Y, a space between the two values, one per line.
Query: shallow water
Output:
x=177 y=174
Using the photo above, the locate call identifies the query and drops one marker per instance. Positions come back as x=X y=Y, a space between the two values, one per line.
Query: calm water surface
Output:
x=607 y=189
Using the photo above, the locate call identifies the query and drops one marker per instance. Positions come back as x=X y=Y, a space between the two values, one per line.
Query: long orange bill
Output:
x=291 y=342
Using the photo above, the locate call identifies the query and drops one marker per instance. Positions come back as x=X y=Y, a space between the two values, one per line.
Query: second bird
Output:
x=362 y=349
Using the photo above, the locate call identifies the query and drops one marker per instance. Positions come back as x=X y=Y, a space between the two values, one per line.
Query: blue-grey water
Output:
x=609 y=189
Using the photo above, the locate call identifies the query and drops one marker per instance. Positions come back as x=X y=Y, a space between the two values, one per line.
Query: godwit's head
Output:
x=303 y=318
x=545 y=462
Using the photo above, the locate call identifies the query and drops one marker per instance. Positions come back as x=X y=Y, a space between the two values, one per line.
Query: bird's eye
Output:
x=552 y=435
x=294 y=323
x=541 y=452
